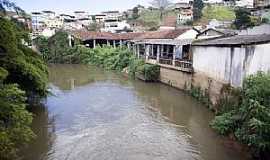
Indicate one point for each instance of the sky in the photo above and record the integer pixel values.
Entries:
(68, 6)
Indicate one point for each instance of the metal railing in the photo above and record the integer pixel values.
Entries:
(183, 64)
(165, 61)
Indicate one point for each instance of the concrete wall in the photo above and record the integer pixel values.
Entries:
(216, 67)
(184, 81)
(175, 78)
(231, 64)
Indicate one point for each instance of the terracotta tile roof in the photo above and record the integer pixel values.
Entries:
(169, 21)
(166, 34)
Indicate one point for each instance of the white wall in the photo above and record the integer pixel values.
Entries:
(231, 65)
(190, 34)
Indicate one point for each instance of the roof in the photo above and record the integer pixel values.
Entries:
(86, 35)
(166, 34)
(169, 21)
(165, 41)
(235, 40)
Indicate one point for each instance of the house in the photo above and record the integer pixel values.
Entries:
(115, 26)
(185, 16)
(168, 48)
(169, 22)
(100, 18)
(230, 59)
(112, 15)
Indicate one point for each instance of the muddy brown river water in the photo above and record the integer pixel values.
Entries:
(99, 115)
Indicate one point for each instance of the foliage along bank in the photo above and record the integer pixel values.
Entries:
(23, 75)
(57, 50)
(245, 114)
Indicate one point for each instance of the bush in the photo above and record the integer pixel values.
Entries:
(250, 121)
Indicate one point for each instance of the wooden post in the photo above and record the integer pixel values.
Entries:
(94, 43)
(174, 55)
(158, 53)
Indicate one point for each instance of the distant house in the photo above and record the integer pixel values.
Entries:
(100, 18)
(169, 22)
(229, 60)
(184, 16)
(253, 3)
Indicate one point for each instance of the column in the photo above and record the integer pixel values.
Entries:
(108, 43)
(147, 50)
(138, 50)
(162, 49)
(158, 53)
(114, 45)
(121, 42)
(152, 52)
(94, 43)
(174, 55)
(69, 41)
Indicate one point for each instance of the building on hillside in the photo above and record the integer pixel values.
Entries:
(253, 3)
(185, 16)
(100, 18)
(48, 14)
(115, 26)
(112, 15)
(229, 60)
(213, 1)
(37, 22)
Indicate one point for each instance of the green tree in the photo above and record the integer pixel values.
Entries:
(197, 9)
(243, 19)
(135, 13)
(6, 4)
(161, 5)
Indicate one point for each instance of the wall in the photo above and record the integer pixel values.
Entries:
(175, 78)
(231, 64)
(216, 67)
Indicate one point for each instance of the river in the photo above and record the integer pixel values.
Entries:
(94, 114)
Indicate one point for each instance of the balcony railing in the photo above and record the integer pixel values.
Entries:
(165, 61)
(183, 64)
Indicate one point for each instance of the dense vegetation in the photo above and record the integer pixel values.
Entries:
(221, 13)
(246, 114)
(23, 76)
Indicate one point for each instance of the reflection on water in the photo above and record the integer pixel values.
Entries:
(95, 114)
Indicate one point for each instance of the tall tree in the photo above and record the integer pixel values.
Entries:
(161, 5)
(242, 20)
(135, 13)
(197, 9)
(8, 5)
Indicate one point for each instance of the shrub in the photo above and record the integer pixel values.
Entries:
(250, 121)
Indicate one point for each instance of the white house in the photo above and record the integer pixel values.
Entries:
(229, 60)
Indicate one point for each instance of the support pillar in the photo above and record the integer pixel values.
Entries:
(147, 50)
(114, 45)
(158, 53)
(174, 55)
(108, 43)
(121, 43)
(94, 43)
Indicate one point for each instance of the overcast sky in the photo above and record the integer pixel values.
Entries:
(68, 6)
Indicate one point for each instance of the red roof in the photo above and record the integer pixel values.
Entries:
(166, 34)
